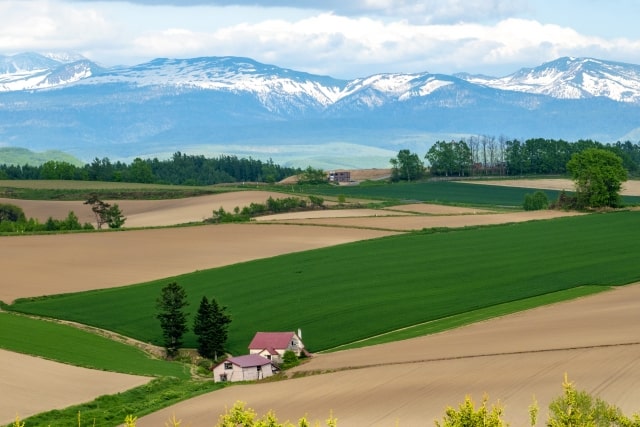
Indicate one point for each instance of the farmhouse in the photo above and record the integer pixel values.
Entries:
(249, 367)
(340, 176)
(272, 345)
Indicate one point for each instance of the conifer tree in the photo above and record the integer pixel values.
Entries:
(210, 325)
(173, 320)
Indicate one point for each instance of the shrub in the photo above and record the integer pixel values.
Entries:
(536, 201)
(468, 416)
(289, 360)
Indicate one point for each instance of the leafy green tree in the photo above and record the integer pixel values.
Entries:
(450, 158)
(312, 176)
(173, 320)
(11, 213)
(140, 171)
(211, 325)
(406, 166)
(289, 360)
(598, 175)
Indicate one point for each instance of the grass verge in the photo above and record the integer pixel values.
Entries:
(111, 410)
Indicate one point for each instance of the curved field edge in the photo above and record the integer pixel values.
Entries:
(68, 344)
(455, 321)
(350, 292)
(111, 410)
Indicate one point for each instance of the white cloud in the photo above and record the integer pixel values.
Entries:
(468, 36)
(44, 25)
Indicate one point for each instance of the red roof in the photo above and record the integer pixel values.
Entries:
(271, 340)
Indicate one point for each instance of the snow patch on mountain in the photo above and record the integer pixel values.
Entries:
(572, 78)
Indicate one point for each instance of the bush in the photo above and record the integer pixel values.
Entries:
(289, 360)
(536, 201)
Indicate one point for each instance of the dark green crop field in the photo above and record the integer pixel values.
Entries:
(350, 292)
(447, 192)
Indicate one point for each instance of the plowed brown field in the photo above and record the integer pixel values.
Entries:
(594, 339)
(629, 188)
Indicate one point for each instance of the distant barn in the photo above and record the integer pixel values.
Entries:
(340, 176)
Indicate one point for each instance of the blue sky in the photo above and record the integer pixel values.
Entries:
(341, 38)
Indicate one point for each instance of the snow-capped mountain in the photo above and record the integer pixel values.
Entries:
(572, 78)
(232, 105)
(29, 71)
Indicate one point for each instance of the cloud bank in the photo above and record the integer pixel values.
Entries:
(337, 38)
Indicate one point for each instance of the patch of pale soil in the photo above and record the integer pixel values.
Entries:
(431, 209)
(331, 213)
(595, 340)
(52, 264)
(418, 222)
(31, 385)
(148, 213)
(629, 188)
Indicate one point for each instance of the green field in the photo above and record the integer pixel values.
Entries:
(350, 292)
(71, 345)
(445, 192)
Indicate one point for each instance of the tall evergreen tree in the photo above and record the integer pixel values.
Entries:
(211, 325)
(173, 320)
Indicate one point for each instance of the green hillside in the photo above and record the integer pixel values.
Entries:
(22, 156)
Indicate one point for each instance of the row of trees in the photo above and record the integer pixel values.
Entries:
(210, 324)
(598, 173)
(272, 206)
(491, 156)
(13, 219)
(179, 169)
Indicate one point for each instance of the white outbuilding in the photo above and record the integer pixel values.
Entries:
(250, 367)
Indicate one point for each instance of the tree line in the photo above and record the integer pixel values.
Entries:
(478, 156)
(180, 169)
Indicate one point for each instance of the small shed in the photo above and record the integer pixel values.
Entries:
(250, 367)
(272, 345)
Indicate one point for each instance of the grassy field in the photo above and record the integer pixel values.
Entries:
(71, 345)
(355, 291)
(444, 192)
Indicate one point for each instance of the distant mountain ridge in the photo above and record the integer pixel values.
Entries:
(234, 105)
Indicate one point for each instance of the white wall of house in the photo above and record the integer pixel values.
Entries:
(233, 372)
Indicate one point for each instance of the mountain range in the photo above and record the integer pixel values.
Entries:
(238, 106)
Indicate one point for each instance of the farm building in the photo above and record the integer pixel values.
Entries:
(272, 345)
(339, 176)
(249, 367)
